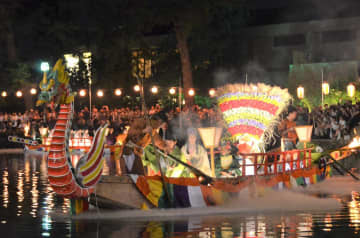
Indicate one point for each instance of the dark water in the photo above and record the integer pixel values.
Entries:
(29, 208)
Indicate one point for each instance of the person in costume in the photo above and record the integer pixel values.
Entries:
(195, 154)
(227, 164)
(287, 129)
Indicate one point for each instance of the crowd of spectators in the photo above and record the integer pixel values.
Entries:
(330, 122)
(335, 122)
(118, 119)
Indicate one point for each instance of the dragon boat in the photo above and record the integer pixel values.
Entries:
(250, 112)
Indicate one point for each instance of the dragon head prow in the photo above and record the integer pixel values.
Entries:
(55, 88)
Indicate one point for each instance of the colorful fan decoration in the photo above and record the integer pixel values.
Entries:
(251, 111)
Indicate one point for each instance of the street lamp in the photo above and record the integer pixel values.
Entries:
(300, 92)
(210, 137)
(44, 68)
(118, 92)
(3, 94)
(72, 61)
(351, 90)
(87, 60)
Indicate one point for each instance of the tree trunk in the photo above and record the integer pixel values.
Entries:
(181, 38)
(10, 44)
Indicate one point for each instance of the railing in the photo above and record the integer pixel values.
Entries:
(273, 163)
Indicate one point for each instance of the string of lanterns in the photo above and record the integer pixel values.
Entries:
(18, 93)
(154, 90)
(325, 90)
(117, 92)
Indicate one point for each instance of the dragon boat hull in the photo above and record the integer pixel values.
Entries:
(135, 191)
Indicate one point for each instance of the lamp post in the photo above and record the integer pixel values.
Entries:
(87, 61)
(210, 137)
(322, 91)
(44, 68)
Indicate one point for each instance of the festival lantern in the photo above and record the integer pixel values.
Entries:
(351, 90)
(33, 91)
(100, 93)
(19, 94)
(43, 132)
(26, 130)
(325, 88)
(300, 92)
(118, 92)
(137, 88)
(154, 90)
(82, 93)
(304, 133)
(212, 92)
(172, 91)
(3, 94)
(191, 92)
(210, 137)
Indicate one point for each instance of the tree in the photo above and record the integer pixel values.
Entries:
(7, 15)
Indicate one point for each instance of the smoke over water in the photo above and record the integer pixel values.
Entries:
(252, 72)
(266, 200)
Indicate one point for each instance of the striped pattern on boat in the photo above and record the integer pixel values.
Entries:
(60, 171)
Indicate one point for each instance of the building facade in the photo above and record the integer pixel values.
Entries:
(276, 47)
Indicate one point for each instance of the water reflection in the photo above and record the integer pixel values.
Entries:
(29, 208)
(5, 188)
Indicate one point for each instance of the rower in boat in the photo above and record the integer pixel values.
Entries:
(140, 158)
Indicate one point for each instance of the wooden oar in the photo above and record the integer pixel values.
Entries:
(203, 178)
(328, 154)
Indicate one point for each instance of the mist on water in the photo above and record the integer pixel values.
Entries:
(263, 200)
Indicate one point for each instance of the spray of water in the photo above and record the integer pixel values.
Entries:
(266, 201)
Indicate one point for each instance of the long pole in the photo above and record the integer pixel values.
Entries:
(90, 97)
(212, 161)
(180, 103)
(322, 93)
(157, 155)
